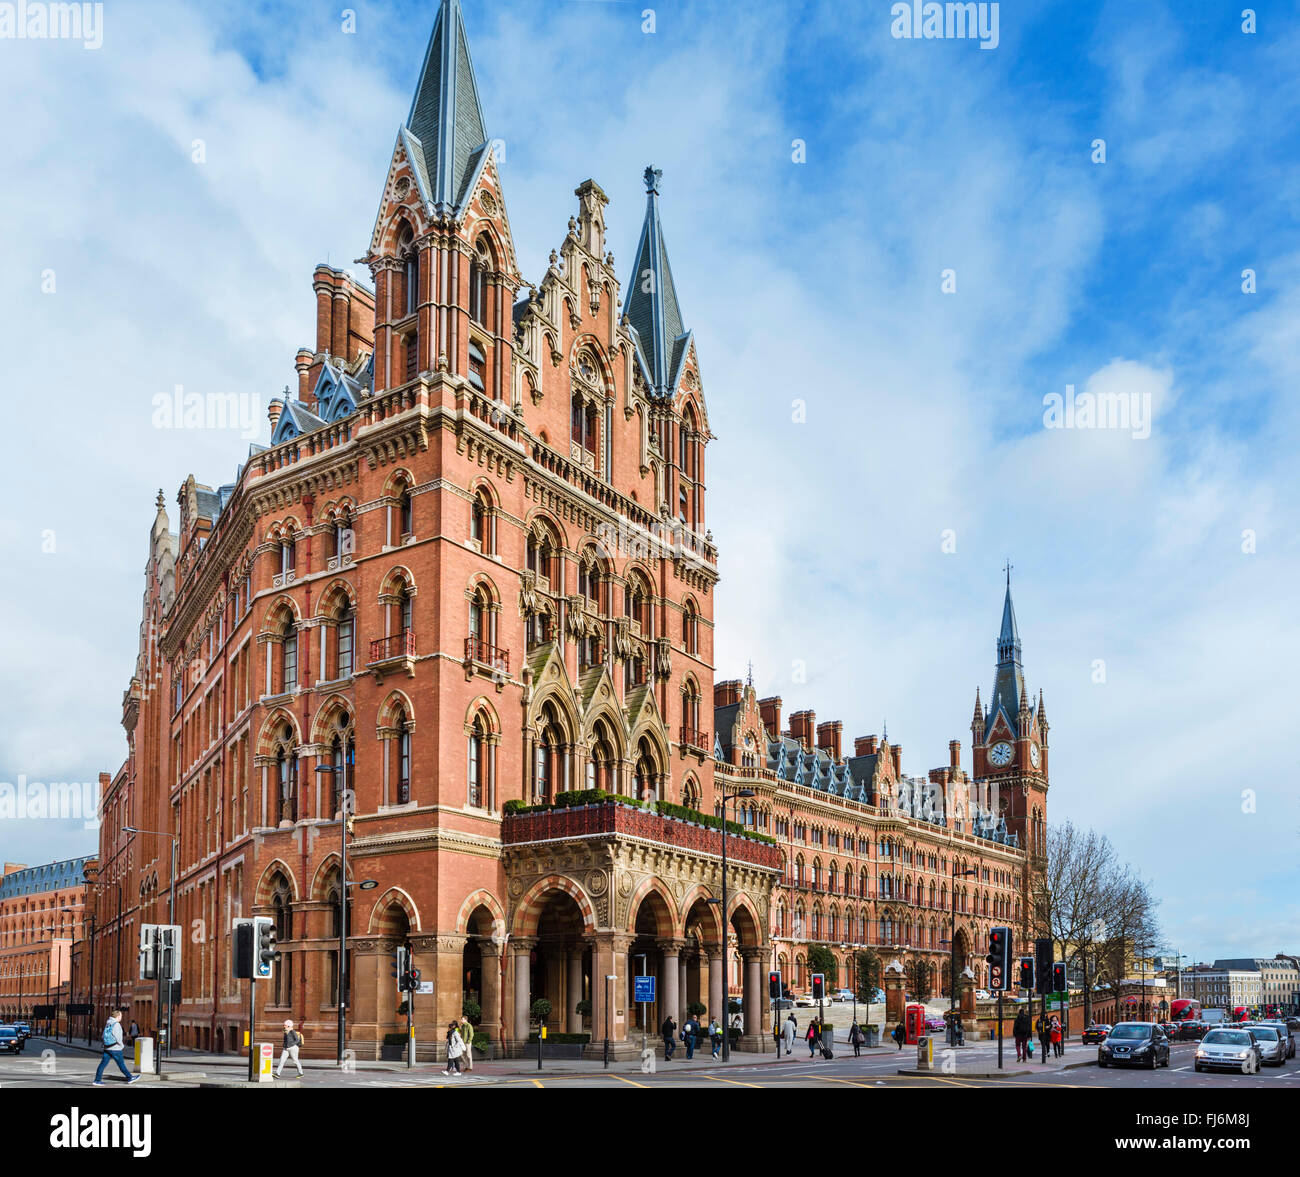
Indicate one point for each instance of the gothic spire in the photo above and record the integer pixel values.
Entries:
(446, 120)
(1009, 681)
(653, 311)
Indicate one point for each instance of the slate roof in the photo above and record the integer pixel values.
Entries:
(53, 876)
(448, 140)
(653, 312)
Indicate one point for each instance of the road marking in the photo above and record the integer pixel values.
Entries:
(733, 1082)
(621, 1079)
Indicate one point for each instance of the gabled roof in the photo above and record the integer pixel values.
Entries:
(295, 420)
(653, 312)
(446, 138)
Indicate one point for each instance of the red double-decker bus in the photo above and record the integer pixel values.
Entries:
(1184, 1010)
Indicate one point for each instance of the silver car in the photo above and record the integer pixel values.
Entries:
(1234, 1050)
(1285, 1034)
(1272, 1046)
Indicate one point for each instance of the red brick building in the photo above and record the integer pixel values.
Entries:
(41, 925)
(467, 588)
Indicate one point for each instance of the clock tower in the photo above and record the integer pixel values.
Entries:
(1009, 740)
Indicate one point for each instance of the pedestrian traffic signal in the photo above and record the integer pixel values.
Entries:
(265, 954)
(774, 986)
(1059, 984)
(1043, 963)
(1027, 973)
(819, 986)
(999, 958)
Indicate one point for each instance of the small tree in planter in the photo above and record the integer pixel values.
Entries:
(696, 1009)
(584, 1011)
(473, 1011)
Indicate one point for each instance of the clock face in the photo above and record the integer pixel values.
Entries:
(1033, 754)
(1000, 754)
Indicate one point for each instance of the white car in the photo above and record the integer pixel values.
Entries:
(842, 995)
(983, 995)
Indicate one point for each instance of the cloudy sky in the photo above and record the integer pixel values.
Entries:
(890, 251)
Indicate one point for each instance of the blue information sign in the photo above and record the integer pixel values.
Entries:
(645, 988)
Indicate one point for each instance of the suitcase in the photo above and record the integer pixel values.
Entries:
(827, 1052)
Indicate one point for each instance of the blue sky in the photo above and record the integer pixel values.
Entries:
(817, 282)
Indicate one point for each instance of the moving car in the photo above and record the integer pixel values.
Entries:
(11, 1042)
(1233, 1050)
(1095, 1035)
(1284, 1031)
(24, 1030)
(1192, 1031)
(1272, 1047)
(1140, 1044)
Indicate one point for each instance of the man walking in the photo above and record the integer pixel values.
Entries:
(467, 1035)
(1045, 1037)
(668, 1031)
(289, 1049)
(1021, 1032)
(788, 1031)
(690, 1030)
(112, 1043)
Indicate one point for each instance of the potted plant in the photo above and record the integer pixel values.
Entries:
(584, 1011)
(393, 1049)
(871, 1031)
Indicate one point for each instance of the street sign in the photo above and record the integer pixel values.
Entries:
(425, 987)
(645, 989)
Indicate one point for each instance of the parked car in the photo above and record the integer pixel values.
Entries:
(933, 1023)
(842, 995)
(1140, 1044)
(1272, 1046)
(983, 995)
(11, 1042)
(1228, 1049)
(802, 999)
(1096, 1035)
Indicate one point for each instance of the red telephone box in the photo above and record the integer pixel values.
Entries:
(914, 1022)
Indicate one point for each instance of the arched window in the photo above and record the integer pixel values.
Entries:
(282, 970)
(404, 608)
(480, 523)
(691, 629)
(288, 654)
(405, 513)
(342, 759)
(645, 776)
(477, 771)
(691, 799)
(343, 640)
(410, 269)
(286, 775)
(288, 556)
(479, 267)
(478, 625)
(548, 767)
(403, 757)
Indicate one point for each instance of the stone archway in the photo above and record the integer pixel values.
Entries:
(655, 952)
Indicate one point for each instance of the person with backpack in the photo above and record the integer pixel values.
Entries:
(690, 1031)
(456, 1048)
(855, 1039)
(813, 1037)
(289, 1049)
(111, 1040)
(715, 1036)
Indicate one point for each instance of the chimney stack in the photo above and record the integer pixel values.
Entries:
(954, 754)
(864, 746)
(273, 411)
(829, 736)
(802, 724)
(726, 693)
(897, 750)
(770, 710)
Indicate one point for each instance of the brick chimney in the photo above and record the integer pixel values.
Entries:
(726, 693)
(829, 735)
(302, 364)
(273, 411)
(802, 724)
(954, 754)
(10, 867)
(897, 750)
(864, 746)
(770, 709)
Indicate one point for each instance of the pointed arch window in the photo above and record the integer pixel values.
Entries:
(403, 757)
(405, 513)
(288, 655)
(477, 773)
(286, 765)
(410, 270)
(343, 641)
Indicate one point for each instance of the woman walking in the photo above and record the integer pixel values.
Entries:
(855, 1039)
(456, 1048)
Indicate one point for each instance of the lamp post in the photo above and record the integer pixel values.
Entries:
(345, 812)
(726, 961)
(171, 921)
(952, 956)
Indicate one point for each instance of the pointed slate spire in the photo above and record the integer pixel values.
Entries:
(446, 120)
(653, 311)
(1009, 682)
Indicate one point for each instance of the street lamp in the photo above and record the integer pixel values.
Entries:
(171, 920)
(345, 812)
(952, 956)
(726, 962)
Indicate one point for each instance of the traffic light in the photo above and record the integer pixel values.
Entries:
(1043, 963)
(415, 979)
(401, 967)
(774, 986)
(819, 986)
(1059, 984)
(148, 952)
(999, 958)
(264, 955)
(1027, 973)
(243, 948)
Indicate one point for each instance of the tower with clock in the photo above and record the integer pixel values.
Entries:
(1009, 742)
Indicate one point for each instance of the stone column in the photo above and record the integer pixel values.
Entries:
(493, 1015)
(717, 987)
(520, 1024)
(609, 998)
(752, 1001)
(683, 983)
(573, 989)
(671, 972)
